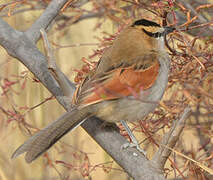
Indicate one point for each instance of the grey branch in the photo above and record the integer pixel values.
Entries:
(170, 139)
(45, 19)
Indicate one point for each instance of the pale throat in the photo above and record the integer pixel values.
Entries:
(161, 44)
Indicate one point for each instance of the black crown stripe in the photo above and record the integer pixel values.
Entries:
(145, 22)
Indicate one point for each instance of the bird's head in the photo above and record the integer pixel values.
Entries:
(141, 38)
(152, 29)
(151, 33)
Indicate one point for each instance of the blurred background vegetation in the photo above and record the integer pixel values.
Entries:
(81, 29)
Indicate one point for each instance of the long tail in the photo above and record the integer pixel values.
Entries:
(44, 139)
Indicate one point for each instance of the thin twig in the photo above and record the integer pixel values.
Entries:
(59, 76)
(208, 24)
(21, 11)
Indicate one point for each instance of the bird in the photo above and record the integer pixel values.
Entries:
(128, 82)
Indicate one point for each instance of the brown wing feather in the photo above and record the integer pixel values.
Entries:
(119, 82)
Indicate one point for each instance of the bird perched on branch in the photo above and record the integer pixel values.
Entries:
(127, 84)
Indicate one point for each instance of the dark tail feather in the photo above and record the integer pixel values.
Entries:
(44, 139)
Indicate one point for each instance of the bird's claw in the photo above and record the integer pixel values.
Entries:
(132, 144)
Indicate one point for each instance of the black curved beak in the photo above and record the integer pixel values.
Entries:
(168, 30)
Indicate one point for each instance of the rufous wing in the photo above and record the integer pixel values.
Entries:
(117, 83)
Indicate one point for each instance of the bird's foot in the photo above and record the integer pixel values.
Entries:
(133, 144)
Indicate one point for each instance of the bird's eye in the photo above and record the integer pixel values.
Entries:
(155, 35)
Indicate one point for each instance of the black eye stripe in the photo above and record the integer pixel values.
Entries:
(155, 35)
(145, 22)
